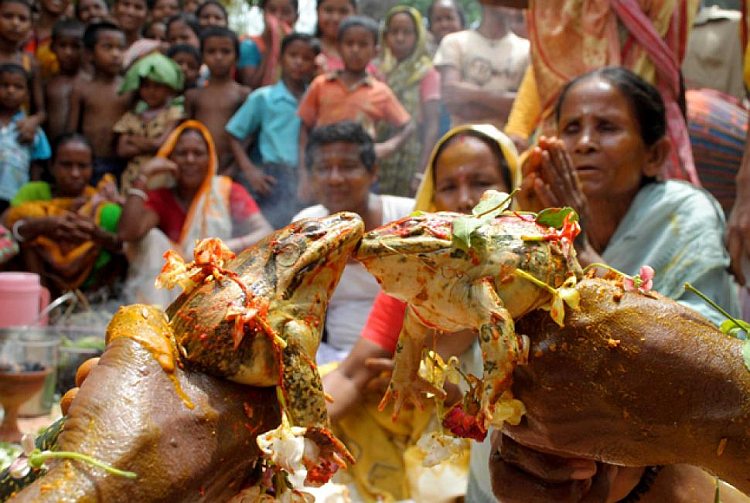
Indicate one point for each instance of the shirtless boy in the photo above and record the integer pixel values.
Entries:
(215, 103)
(67, 44)
(95, 105)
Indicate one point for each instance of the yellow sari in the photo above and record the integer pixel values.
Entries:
(389, 465)
(71, 263)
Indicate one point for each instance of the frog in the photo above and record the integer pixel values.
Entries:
(257, 318)
(505, 266)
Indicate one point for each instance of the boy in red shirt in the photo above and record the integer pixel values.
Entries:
(353, 94)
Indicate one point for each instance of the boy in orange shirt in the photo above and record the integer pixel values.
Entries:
(353, 94)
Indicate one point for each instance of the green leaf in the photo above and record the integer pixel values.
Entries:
(738, 329)
(555, 217)
(462, 229)
(746, 354)
(417, 213)
(491, 204)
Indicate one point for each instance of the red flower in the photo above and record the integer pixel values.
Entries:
(464, 425)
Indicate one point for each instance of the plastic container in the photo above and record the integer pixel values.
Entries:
(22, 298)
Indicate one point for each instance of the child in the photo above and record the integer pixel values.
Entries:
(188, 58)
(130, 15)
(183, 29)
(95, 105)
(269, 115)
(215, 103)
(353, 94)
(279, 17)
(143, 129)
(91, 11)
(409, 73)
(17, 158)
(161, 10)
(38, 45)
(212, 13)
(67, 44)
(14, 30)
(330, 14)
(444, 17)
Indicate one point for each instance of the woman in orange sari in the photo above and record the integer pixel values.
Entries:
(571, 37)
(199, 205)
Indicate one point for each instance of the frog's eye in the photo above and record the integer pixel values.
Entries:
(312, 229)
(287, 254)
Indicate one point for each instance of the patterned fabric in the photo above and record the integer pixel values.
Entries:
(135, 124)
(404, 78)
(16, 157)
(647, 36)
(717, 126)
(71, 262)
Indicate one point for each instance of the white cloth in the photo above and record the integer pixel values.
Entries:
(494, 65)
(351, 302)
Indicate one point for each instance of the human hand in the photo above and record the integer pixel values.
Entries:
(521, 474)
(261, 183)
(159, 165)
(631, 379)
(27, 128)
(71, 227)
(383, 369)
(738, 232)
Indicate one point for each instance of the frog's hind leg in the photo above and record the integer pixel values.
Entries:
(502, 350)
(406, 386)
(304, 404)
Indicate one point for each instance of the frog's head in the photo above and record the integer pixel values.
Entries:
(307, 257)
(421, 241)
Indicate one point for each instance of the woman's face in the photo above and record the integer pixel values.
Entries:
(401, 35)
(283, 10)
(72, 168)
(91, 11)
(464, 170)
(601, 133)
(330, 14)
(180, 33)
(191, 156)
(212, 15)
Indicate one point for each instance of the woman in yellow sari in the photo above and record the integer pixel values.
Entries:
(67, 229)
(465, 162)
(199, 205)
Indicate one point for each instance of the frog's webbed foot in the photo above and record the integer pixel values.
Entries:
(502, 350)
(331, 455)
(406, 386)
(304, 403)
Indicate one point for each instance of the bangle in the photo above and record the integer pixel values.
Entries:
(132, 191)
(14, 230)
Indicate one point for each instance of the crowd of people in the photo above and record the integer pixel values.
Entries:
(166, 127)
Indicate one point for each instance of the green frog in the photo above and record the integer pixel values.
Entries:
(458, 272)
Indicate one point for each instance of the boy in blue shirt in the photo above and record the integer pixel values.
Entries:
(269, 117)
(16, 158)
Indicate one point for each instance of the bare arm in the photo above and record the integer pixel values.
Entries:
(738, 227)
(393, 143)
(136, 219)
(347, 383)
(431, 122)
(189, 104)
(249, 231)
(127, 147)
(457, 94)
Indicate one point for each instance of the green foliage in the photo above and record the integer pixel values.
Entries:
(555, 217)
(492, 204)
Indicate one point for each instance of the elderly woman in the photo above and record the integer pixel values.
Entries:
(612, 145)
(67, 228)
(199, 205)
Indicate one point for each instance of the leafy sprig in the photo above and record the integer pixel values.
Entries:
(491, 205)
(733, 327)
